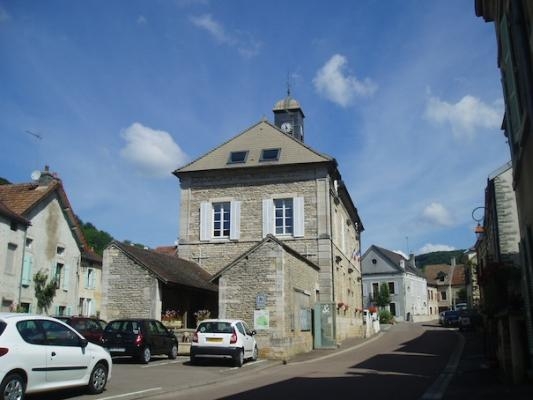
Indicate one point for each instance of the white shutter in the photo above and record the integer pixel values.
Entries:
(268, 219)
(299, 220)
(92, 281)
(235, 220)
(205, 220)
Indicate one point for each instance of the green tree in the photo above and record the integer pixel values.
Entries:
(44, 292)
(383, 297)
(97, 239)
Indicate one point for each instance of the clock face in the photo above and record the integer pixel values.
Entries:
(286, 127)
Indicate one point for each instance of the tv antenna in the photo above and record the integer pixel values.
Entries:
(35, 135)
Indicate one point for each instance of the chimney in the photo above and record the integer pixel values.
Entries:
(412, 262)
(402, 263)
(46, 176)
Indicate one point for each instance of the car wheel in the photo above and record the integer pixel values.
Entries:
(146, 355)
(255, 354)
(239, 358)
(173, 353)
(13, 387)
(98, 379)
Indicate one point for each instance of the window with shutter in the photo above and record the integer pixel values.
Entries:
(27, 270)
(220, 220)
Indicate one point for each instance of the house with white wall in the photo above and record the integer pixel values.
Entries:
(40, 232)
(407, 286)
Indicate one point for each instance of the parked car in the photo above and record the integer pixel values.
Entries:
(39, 353)
(224, 338)
(91, 328)
(139, 338)
(451, 318)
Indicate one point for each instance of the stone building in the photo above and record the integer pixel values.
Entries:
(39, 232)
(144, 283)
(449, 279)
(513, 26)
(267, 183)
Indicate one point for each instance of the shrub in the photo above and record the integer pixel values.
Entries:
(385, 317)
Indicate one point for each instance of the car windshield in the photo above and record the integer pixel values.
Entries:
(2, 327)
(123, 326)
(215, 327)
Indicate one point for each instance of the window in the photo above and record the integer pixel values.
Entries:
(29, 243)
(237, 157)
(62, 276)
(90, 278)
(60, 251)
(392, 309)
(269, 155)
(10, 257)
(284, 216)
(443, 295)
(391, 288)
(375, 290)
(220, 220)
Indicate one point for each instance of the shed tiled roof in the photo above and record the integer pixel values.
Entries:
(169, 269)
(11, 215)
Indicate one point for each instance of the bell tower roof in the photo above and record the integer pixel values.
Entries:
(289, 117)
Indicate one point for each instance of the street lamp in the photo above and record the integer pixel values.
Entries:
(478, 216)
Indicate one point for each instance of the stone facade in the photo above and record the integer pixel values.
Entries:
(129, 290)
(329, 238)
(287, 284)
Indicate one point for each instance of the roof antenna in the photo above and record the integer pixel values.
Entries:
(288, 85)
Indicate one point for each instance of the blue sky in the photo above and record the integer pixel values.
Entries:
(405, 94)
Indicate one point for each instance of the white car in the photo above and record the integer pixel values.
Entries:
(39, 353)
(224, 338)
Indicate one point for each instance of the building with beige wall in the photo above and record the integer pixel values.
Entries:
(267, 181)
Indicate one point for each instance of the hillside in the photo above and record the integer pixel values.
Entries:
(438, 257)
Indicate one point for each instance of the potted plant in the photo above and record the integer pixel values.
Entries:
(171, 319)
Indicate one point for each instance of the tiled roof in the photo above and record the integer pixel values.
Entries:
(24, 197)
(11, 215)
(169, 269)
(168, 250)
(431, 272)
(396, 259)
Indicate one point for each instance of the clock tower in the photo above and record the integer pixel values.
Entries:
(289, 117)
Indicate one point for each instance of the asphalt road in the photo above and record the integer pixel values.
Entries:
(402, 363)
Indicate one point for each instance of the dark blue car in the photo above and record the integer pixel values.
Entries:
(451, 318)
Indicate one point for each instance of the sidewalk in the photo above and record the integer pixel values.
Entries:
(474, 379)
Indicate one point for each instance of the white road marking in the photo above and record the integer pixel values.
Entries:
(130, 393)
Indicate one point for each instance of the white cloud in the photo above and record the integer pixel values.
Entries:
(153, 152)
(465, 116)
(430, 248)
(245, 44)
(332, 82)
(436, 213)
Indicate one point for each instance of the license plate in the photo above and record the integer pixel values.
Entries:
(117, 349)
(214, 339)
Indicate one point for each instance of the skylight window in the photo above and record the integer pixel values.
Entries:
(236, 157)
(270, 155)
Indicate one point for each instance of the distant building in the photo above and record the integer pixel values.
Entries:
(407, 287)
(450, 283)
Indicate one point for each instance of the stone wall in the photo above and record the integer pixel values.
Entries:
(278, 275)
(129, 290)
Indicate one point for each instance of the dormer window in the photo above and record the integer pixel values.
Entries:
(237, 157)
(270, 155)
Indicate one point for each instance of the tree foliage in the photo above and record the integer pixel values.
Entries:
(44, 292)
(97, 239)
(437, 257)
(383, 297)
